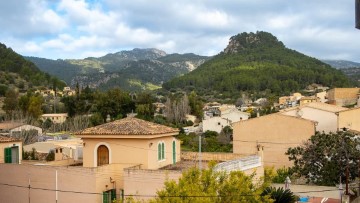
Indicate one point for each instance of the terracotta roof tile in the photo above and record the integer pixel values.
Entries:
(128, 126)
(8, 139)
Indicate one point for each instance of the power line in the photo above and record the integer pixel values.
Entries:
(170, 196)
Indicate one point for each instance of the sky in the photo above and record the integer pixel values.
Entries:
(74, 29)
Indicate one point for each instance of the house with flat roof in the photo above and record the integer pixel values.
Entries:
(15, 129)
(343, 96)
(326, 115)
(55, 117)
(275, 133)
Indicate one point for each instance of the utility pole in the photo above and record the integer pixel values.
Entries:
(29, 186)
(56, 186)
(347, 176)
(200, 152)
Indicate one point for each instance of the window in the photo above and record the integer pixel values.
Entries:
(161, 151)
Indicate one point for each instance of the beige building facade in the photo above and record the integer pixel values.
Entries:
(130, 141)
(343, 96)
(55, 117)
(10, 150)
(326, 115)
(349, 119)
(275, 133)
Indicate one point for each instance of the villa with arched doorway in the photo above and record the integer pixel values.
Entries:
(130, 141)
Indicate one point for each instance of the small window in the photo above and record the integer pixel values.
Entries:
(218, 123)
(161, 151)
(56, 151)
(60, 150)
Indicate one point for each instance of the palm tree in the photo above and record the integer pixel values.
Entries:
(279, 195)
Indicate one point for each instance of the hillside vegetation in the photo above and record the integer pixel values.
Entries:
(16, 72)
(258, 62)
(134, 70)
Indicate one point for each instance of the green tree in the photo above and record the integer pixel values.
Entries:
(144, 106)
(114, 102)
(11, 102)
(34, 108)
(323, 158)
(196, 105)
(197, 186)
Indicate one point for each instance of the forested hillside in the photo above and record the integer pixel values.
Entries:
(255, 62)
(16, 72)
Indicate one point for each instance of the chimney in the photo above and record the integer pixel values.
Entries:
(260, 152)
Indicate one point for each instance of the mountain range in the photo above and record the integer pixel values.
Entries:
(257, 62)
(342, 64)
(137, 69)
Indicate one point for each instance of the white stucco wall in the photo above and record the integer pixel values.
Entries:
(26, 128)
(326, 121)
(234, 116)
(215, 124)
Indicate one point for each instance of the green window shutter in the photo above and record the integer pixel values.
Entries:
(159, 151)
(174, 152)
(7, 155)
(105, 197)
(113, 195)
(162, 151)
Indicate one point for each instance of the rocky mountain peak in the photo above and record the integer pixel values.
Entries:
(243, 41)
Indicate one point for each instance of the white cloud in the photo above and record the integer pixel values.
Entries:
(74, 28)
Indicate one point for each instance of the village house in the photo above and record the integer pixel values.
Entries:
(10, 150)
(70, 148)
(15, 129)
(305, 100)
(55, 117)
(67, 91)
(291, 100)
(151, 145)
(120, 159)
(322, 97)
(343, 96)
(349, 119)
(221, 117)
(275, 133)
(326, 115)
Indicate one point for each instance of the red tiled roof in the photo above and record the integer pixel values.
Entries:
(8, 139)
(128, 126)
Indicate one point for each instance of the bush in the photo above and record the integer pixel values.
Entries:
(281, 175)
(50, 156)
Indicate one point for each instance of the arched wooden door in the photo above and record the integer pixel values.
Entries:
(102, 155)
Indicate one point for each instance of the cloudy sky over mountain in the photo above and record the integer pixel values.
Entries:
(77, 29)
